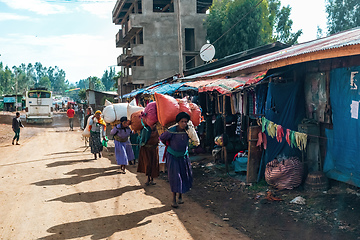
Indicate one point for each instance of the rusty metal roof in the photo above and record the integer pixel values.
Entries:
(338, 40)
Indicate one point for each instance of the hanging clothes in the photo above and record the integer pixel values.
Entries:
(271, 129)
(262, 140)
(288, 137)
(301, 140)
(279, 133)
(264, 124)
(293, 139)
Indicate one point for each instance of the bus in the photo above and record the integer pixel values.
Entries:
(39, 106)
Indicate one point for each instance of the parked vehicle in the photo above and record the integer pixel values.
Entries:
(39, 106)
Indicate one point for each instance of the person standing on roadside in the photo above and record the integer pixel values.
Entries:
(16, 124)
(81, 117)
(70, 113)
(88, 114)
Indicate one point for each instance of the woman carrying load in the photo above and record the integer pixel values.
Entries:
(123, 149)
(177, 158)
(97, 127)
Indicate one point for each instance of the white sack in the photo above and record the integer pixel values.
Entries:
(191, 132)
(131, 109)
(133, 102)
(107, 103)
(114, 112)
(86, 132)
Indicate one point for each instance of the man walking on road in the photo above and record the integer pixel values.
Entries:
(70, 113)
(81, 117)
(16, 124)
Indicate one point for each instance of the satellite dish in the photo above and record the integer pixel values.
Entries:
(207, 52)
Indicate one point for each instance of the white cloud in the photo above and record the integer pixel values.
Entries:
(38, 6)
(102, 9)
(10, 16)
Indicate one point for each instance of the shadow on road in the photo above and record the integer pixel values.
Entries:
(103, 227)
(91, 197)
(73, 180)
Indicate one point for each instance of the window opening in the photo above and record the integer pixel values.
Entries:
(189, 39)
(163, 5)
(190, 62)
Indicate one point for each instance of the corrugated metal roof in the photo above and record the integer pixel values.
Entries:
(339, 40)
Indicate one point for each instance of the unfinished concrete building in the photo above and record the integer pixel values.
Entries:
(157, 39)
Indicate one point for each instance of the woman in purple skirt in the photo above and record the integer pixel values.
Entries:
(177, 158)
(123, 149)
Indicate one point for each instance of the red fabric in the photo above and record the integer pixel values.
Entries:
(195, 116)
(262, 140)
(136, 121)
(167, 108)
(70, 113)
(288, 136)
(279, 133)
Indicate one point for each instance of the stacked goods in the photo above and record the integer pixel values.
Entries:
(135, 119)
(132, 109)
(150, 114)
(195, 115)
(114, 112)
(167, 108)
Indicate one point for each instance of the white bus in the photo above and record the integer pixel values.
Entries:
(39, 106)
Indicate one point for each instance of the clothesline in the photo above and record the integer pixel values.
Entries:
(293, 138)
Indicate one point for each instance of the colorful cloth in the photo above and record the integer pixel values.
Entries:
(301, 140)
(288, 137)
(279, 133)
(262, 140)
(293, 139)
(179, 168)
(264, 123)
(271, 129)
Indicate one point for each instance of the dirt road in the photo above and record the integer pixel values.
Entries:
(51, 188)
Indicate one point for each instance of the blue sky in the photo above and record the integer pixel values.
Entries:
(78, 36)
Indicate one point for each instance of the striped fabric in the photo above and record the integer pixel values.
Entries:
(286, 174)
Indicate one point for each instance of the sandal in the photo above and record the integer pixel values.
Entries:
(147, 184)
(174, 205)
(153, 183)
(180, 201)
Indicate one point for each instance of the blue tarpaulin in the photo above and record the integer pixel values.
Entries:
(342, 160)
(285, 106)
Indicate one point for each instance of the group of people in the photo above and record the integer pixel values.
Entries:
(177, 157)
(176, 153)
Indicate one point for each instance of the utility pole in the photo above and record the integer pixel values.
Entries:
(180, 41)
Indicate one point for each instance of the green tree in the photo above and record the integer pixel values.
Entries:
(82, 94)
(342, 15)
(107, 79)
(237, 25)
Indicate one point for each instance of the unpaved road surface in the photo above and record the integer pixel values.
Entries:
(51, 188)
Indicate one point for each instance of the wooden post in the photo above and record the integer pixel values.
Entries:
(254, 154)
(224, 147)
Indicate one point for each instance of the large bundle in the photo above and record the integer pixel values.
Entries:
(132, 109)
(286, 174)
(167, 108)
(150, 114)
(135, 119)
(195, 115)
(86, 132)
(184, 106)
(115, 112)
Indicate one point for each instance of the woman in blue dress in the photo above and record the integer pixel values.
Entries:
(177, 158)
(123, 149)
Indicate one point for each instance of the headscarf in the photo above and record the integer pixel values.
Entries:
(181, 116)
(100, 120)
(123, 119)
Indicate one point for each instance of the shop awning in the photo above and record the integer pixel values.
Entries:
(227, 85)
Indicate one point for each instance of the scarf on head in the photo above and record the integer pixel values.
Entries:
(100, 121)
